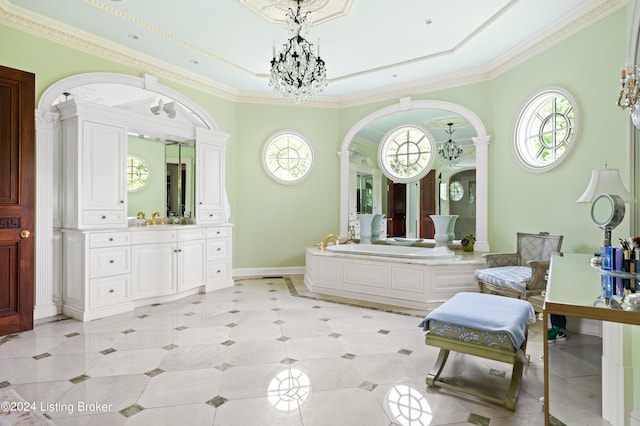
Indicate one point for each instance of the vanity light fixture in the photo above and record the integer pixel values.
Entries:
(297, 72)
(450, 151)
(168, 108)
(630, 92)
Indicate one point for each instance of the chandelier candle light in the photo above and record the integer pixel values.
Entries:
(629, 93)
(297, 72)
(450, 151)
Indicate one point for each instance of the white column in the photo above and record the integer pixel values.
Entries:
(482, 193)
(617, 373)
(44, 205)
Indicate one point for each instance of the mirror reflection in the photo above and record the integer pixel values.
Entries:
(407, 206)
(170, 187)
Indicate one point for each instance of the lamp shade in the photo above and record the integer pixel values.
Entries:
(605, 181)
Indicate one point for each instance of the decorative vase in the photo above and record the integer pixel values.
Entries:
(441, 223)
(451, 234)
(376, 225)
(365, 227)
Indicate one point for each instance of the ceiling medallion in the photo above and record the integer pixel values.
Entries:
(323, 10)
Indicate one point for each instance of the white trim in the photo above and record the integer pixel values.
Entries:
(267, 144)
(58, 32)
(47, 274)
(530, 108)
(267, 272)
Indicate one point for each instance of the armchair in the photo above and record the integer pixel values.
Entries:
(521, 274)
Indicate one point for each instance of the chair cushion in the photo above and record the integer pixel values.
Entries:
(511, 277)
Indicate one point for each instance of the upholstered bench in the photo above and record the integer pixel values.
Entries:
(484, 325)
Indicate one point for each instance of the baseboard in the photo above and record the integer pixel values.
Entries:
(45, 311)
(586, 326)
(267, 272)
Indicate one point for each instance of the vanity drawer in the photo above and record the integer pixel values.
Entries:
(109, 261)
(106, 217)
(221, 232)
(217, 271)
(148, 236)
(109, 291)
(211, 216)
(217, 249)
(192, 234)
(109, 239)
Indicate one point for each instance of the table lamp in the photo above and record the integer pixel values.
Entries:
(608, 195)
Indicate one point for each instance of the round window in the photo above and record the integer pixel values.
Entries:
(137, 173)
(287, 157)
(406, 154)
(545, 130)
(456, 191)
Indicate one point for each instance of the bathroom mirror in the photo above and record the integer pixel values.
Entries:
(359, 152)
(171, 184)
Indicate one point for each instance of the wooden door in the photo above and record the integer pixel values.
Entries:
(17, 175)
(396, 209)
(428, 194)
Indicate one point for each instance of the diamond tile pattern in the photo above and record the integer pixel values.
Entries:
(241, 357)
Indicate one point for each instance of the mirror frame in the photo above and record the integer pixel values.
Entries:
(481, 141)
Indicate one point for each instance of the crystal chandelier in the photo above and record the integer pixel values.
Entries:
(629, 93)
(450, 151)
(296, 72)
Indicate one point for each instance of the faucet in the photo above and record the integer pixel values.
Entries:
(153, 217)
(140, 215)
(328, 238)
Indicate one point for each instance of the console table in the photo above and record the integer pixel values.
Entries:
(572, 288)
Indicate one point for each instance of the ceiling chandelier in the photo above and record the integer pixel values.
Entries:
(296, 72)
(450, 151)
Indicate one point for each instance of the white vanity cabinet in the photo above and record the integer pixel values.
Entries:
(168, 262)
(154, 264)
(94, 174)
(218, 269)
(210, 197)
(96, 274)
(191, 258)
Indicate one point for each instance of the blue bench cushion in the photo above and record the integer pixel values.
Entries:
(484, 313)
(511, 277)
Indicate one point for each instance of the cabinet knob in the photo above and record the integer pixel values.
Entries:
(104, 217)
(218, 233)
(211, 215)
(121, 201)
(200, 203)
(111, 291)
(219, 248)
(111, 261)
(111, 239)
(219, 271)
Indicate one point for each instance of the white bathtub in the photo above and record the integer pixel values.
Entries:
(413, 277)
(393, 251)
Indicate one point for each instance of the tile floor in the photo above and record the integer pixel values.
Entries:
(267, 352)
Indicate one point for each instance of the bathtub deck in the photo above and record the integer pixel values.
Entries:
(422, 284)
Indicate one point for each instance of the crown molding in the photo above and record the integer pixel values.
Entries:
(25, 20)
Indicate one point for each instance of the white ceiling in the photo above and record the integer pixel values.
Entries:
(373, 49)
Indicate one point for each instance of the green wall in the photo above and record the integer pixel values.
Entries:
(273, 223)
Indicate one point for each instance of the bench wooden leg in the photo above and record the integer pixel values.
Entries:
(437, 367)
(516, 377)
